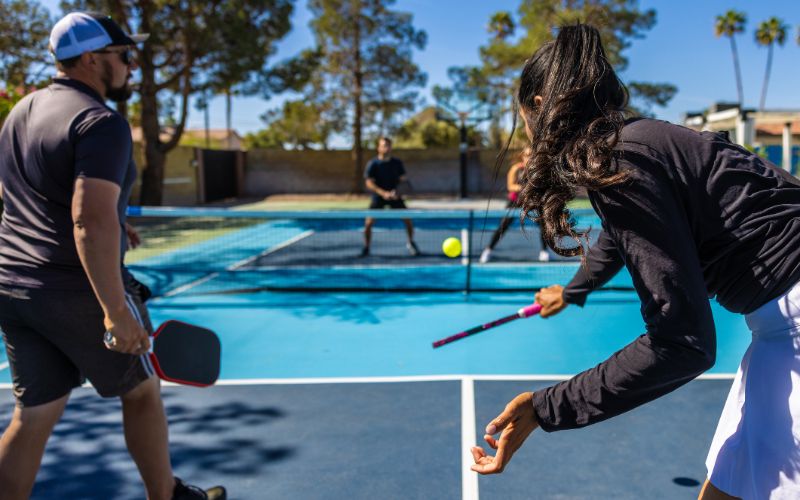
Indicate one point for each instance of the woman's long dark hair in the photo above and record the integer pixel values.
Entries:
(573, 130)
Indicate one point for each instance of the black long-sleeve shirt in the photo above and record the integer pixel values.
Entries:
(698, 217)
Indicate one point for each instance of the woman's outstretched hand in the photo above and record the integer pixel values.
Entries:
(515, 424)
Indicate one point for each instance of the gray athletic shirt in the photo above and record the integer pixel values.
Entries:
(699, 217)
(50, 138)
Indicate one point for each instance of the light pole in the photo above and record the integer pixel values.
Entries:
(462, 155)
(463, 146)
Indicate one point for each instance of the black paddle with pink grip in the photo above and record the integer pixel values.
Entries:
(525, 312)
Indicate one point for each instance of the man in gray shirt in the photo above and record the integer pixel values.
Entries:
(67, 171)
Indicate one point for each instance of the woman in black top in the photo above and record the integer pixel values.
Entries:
(691, 216)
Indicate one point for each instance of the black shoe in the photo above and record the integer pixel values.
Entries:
(364, 252)
(412, 248)
(185, 491)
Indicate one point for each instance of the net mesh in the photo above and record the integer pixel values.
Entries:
(200, 251)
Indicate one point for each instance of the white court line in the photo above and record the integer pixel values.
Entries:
(469, 479)
(270, 250)
(191, 284)
(424, 378)
(409, 378)
(237, 265)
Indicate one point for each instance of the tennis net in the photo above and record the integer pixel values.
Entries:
(202, 251)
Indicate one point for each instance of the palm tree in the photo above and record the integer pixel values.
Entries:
(729, 24)
(769, 33)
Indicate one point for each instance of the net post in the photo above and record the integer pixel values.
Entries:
(464, 245)
(469, 251)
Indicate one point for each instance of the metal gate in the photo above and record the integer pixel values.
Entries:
(219, 174)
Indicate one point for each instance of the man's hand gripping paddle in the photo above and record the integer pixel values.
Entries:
(182, 353)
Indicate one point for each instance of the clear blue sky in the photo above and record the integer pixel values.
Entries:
(680, 49)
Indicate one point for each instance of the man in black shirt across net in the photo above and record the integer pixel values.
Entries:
(383, 176)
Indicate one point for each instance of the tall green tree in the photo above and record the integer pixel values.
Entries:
(514, 38)
(501, 25)
(730, 24)
(468, 91)
(296, 125)
(474, 91)
(425, 130)
(769, 32)
(468, 101)
(619, 22)
(24, 29)
(193, 46)
(366, 73)
(650, 95)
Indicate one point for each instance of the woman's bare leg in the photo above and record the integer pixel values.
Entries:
(710, 492)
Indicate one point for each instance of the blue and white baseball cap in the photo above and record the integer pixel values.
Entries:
(80, 32)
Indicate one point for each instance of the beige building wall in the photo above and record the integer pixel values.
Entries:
(430, 171)
(180, 176)
(269, 171)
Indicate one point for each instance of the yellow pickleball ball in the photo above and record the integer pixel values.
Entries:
(452, 247)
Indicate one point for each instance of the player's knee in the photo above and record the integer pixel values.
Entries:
(43, 416)
(147, 391)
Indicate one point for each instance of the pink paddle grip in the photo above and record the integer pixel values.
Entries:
(528, 311)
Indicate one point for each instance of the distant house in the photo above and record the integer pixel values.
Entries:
(136, 133)
(775, 133)
(196, 137)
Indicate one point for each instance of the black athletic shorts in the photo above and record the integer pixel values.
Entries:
(378, 202)
(54, 341)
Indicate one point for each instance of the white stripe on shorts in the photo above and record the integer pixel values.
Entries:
(144, 358)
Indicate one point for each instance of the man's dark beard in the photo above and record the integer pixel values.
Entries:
(120, 94)
(116, 94)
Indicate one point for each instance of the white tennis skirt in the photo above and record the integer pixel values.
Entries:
(755, 453)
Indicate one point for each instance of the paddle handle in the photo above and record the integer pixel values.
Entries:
(525, 312)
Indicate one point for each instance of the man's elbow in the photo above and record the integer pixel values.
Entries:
(85, 229)
(91, 226)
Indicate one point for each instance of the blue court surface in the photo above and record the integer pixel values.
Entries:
(327, 392)
(342, 396)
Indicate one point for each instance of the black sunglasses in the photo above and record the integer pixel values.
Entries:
(126, 55)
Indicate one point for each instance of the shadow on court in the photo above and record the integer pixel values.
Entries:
(86, 456)
(380, 440)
